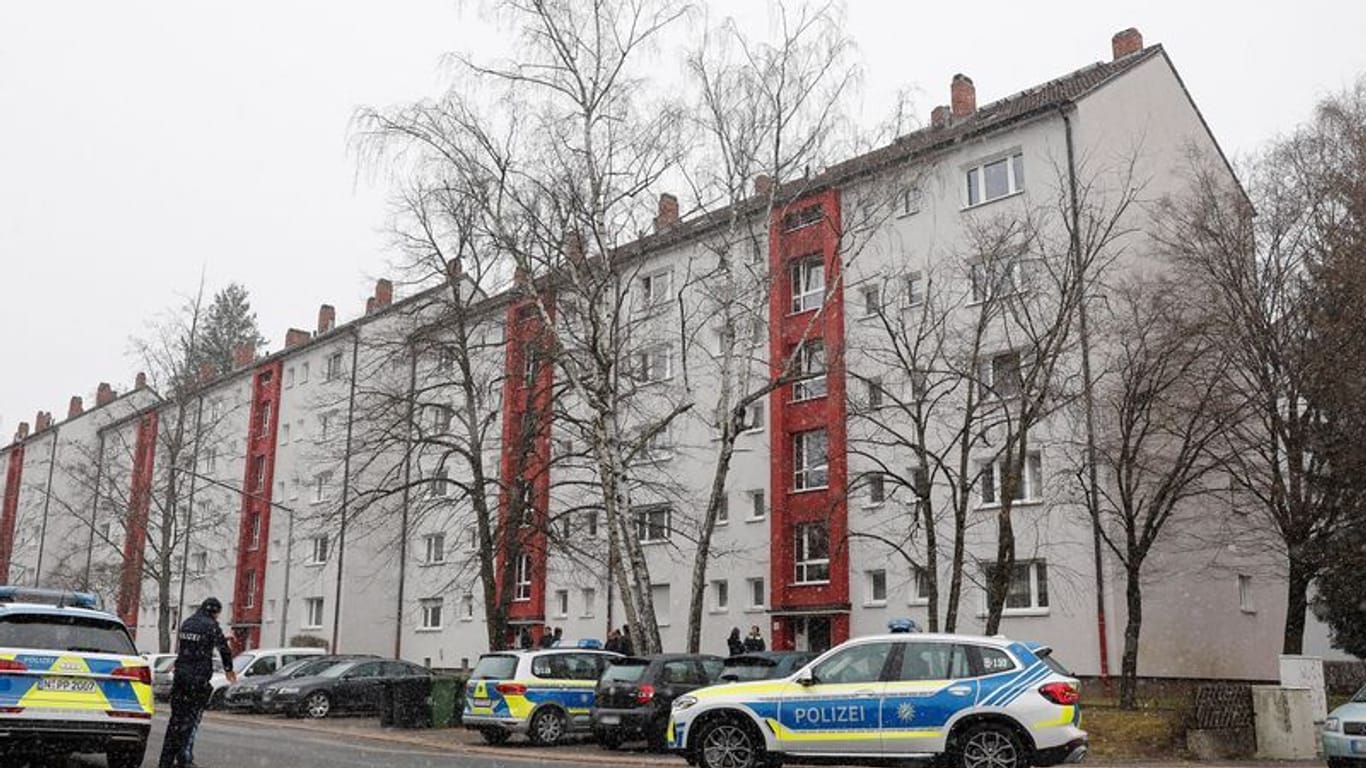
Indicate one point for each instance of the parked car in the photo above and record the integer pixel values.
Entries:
(162, 673)
(546, 694)
(245, 694)
(260, 662)
(764, 665)
(351, 686)
(1344, 733)
(163, 682)
(634, 695)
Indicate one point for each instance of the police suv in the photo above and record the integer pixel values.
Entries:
(71, 679)
(546, 694)
(985, 702)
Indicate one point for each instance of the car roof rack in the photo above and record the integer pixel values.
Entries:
(61, 598)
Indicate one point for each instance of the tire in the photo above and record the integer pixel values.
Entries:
(990, 745)
(548, 728)
(316, 706)
(1339, 762)
(728, 743)
(126, 755)
(495, 736)
(216, 699)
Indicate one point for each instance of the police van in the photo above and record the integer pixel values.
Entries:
(71, 679)
(545, 694)
(984, 702)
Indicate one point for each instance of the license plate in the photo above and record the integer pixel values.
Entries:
(483, 702)
(1359, 746)
(66, 685)
(609, 719)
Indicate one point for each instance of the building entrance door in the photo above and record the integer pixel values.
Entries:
(811, 633)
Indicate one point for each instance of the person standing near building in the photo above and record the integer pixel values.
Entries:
(734, 645)
(199, 638)
(755, 642)
(628, 648)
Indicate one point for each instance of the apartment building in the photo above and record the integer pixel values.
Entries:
(299, 503)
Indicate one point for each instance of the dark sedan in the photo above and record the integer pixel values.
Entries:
(634, 695)
(352, 686)
(764, 665)
(245, 694)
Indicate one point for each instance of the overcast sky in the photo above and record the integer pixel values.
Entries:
(144, 142)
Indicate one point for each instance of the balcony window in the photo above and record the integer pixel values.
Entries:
(812, 553)
(810, 371)
(808, 283)
(810, 460)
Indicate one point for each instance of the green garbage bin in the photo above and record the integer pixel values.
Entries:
(445, 711)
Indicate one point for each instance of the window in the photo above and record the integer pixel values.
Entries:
(920, 484)
(591, 523)
(199, 563)
(877, 586)
(1028, 590)
(531, 362)
(873, 392)
(653, 524)
(909, 201)
(812, 553)
(254, 537)
(313, 613)
(445, 358)
(754, 417)
(284, 433)
(215, 410)
(562, 603)
(441, 419)
(758, 596)
(659, 597)
(324, 425)
(258, 474)
(249, 599)
(431, 612)
(334, 366)
(723, 509)
(810, 371)
(1245, 603)
(995, 179)
(657, 447)
(434, 548)
(289, 377)
(934, 661)
(654, 289)
(720, 595)
(654, 364)
(211, 460)
(758, 507)
(856, 664)
(920, 586)
(915, 289)
(998, 277)
(803, 217)
(808, 283)
(320, 486)
(810, 462)
(877, 489)
(303, 373)
(441, 483)
(872, 300)
(1029, 488)
(467, 607)
(590, 601)
(999, 376)
(318, 550)
(522, 586)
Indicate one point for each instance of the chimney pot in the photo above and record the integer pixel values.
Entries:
(962, 96)
(1125, 42)
(296, 336)
(370, 305)
(22, 432)
(667, 215)
(763, 185)
(327, 318)
(140, 380)
(76, 407)
(243, 355)
(104, 394)
(384, 293)
(939, 116)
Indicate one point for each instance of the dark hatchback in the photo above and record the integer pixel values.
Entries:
(764, 665)
(635, 694)
(352, 686)
(245, 694)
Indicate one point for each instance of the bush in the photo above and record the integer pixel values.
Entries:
(307, 641)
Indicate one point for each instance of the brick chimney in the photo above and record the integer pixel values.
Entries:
(962, 96)
(370, 305)
(327, 318)
(667, 215)
(104, 394)
(42, 421)
(22, 432)
(76, 407)
(384, 293)
(1126, 42)
(243, 355)
(140, 380)
(296, 336)
(939, 116)
(763, 185)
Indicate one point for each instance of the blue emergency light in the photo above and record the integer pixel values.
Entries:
(589, 642)
(62, 598)
(900, 626)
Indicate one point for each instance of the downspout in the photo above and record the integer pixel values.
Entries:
(407, 494)
(289, 563)
(346, 491)
(189, 504)
(47, 499)
(94, 513)
(1089, 401)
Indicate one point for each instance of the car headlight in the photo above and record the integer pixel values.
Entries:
(291, 689)
(1332, 725)
(683, 702)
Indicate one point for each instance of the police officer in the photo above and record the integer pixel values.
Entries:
(199, 637)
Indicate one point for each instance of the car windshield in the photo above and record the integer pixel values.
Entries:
(304, 667)
(1360, 697)
(626, 670)
(1046, 656)
(164, 663)
(241, 661)
(495, 667)
(337, 670)
(748, 668)
(82, 634)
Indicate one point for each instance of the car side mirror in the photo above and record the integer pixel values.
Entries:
(806, 679)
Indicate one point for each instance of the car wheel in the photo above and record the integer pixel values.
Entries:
(316, 705)
(216, 698)
(495, 736)
(126, 755)
(727, 744)
(990, 746)
(547, 727)
(1338, 762)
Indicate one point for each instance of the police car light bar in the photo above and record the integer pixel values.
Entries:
(898, 626)
(589, 642)
(61, 598)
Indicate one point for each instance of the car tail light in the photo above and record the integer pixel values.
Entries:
(645, 694)
(510, 689)
(127, 714)
(136, 674)
(10, 665)
(1065, 694)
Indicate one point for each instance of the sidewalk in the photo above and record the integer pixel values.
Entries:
(461, 741)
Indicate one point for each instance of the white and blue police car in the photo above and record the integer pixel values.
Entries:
(983, 702)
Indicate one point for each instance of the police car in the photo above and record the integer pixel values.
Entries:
(546, 694)
(984, 702)
(71, 679)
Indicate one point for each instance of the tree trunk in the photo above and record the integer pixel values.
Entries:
(164, 615)
(1128, 671)
(1296, 604)
(703, 553)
